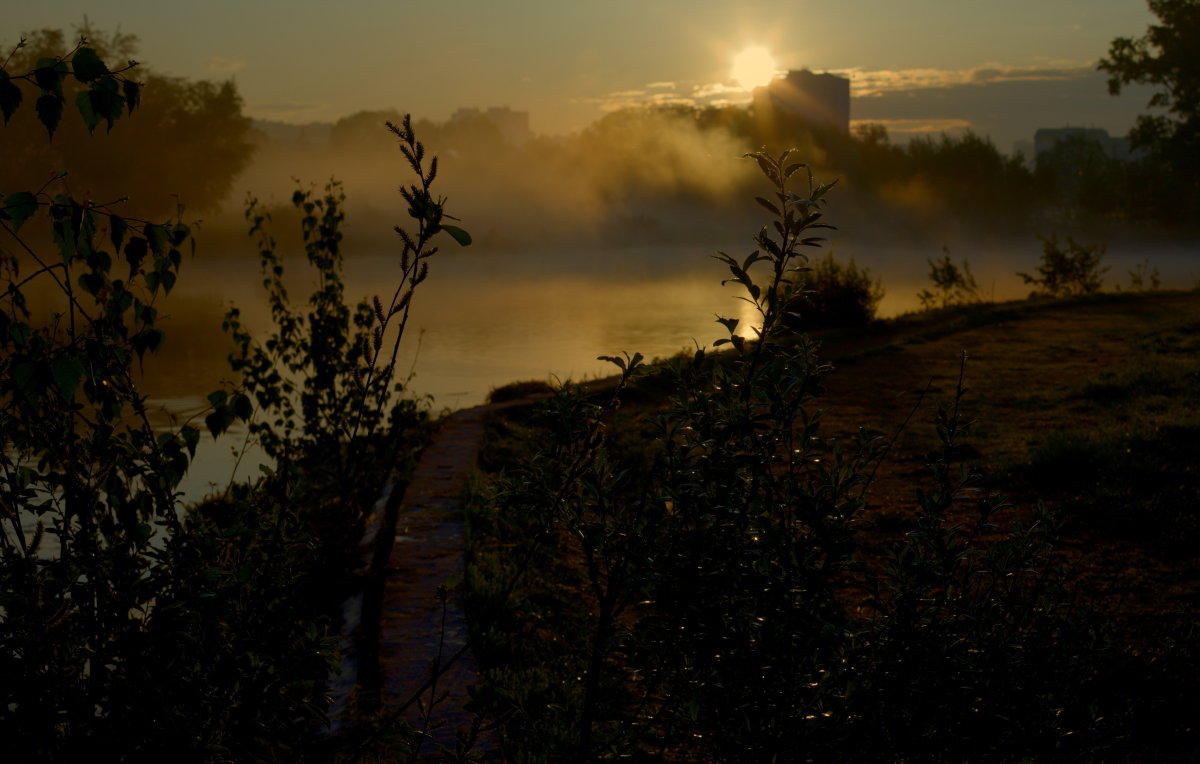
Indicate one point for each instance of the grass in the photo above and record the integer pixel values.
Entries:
(1089, 405)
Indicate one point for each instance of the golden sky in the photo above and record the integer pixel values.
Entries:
(993, 66)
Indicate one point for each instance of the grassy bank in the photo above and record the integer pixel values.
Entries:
(1087, 406)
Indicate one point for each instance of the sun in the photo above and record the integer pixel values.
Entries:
(753, 67)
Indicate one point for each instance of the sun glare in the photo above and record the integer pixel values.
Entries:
(753, 67)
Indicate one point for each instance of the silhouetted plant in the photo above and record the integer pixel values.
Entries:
(954, 284)
(129, 630)
(87, 483)
(701, 565)
(837, 294)
(1068, 271)
(1143, 276)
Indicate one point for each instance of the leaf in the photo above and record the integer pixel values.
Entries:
(117, 228)
(135, 253)
(87, 65)
(462, 237)
(133, 94)
(91, 283)
(219, 421)
(242, 407)
(191, 438)
(157, 236)
(773, 209)
(67, 371)
(83, 102)
(10, 96)
(150, 339)
(19, 207)
(49, 75)
(615, 360)
(105, 101)
(766, 166)
(49, 111)
(217, 398)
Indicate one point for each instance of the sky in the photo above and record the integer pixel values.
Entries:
(1000, 68)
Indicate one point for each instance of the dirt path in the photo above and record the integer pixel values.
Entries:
(422, 624)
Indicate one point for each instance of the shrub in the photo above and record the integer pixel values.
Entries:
(705, 569)
(1070, 271)
(1144, 277)
(129, 629)
(954, 285)
(836, 294)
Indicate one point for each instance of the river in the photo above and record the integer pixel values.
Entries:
(484, 319)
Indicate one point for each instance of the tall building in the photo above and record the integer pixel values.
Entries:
(821, 99)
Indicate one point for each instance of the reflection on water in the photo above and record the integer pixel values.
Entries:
(480, 321)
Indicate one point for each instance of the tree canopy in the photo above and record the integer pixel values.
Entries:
(1166, 56)
(189, 143)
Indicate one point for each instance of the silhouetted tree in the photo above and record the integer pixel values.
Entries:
(1081, 175)
(1166, 56)
(189, 143)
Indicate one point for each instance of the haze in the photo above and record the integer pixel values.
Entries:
(1000, 68)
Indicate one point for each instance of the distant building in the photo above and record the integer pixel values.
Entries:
(513, 125)
(820, 99)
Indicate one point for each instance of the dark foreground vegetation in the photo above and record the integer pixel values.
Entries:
(133, 628)
(701, 560)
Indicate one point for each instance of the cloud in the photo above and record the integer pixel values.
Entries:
(870, 83)
(864, 83)
(711, 90)
(224, 65)
(908, 127)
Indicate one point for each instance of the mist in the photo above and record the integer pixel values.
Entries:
(651, 192)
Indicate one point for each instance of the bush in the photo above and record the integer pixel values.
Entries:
(836, 294)
(131, 629)
(955, 285)
(706, 590)
(1070, 271)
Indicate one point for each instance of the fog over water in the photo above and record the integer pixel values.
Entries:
(580, 250)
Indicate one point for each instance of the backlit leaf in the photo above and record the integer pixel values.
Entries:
(462, 237)
(133, 94)
(88, 65)
(117, 228)
(49, 111)
(10, 96)
(83, 102)
(49, 75)
(157, 236)
(19, 207)
(135, 252)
